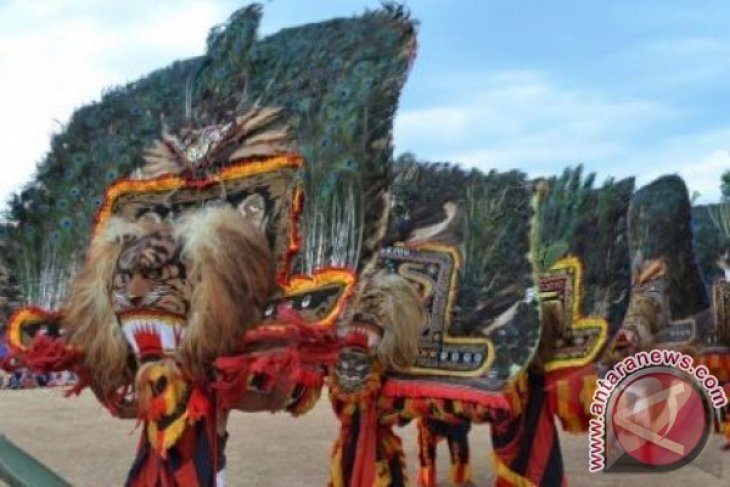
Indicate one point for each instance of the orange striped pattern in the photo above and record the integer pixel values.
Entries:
(719, 365)
(569, 394)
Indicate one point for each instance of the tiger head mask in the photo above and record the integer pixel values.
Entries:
(387, 320)
(184, 290)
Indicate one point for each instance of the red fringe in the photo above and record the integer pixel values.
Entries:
(46, 354)
(430, 390)
(298, 354)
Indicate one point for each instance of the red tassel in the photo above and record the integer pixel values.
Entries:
(47, 354)
(83, 380)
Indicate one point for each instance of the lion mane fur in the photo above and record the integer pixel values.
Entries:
(231, 272)
(89, 318)
(399, 310)
(231, 268)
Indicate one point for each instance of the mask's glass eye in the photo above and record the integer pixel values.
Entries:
(152, 273)
(269, 311)
(361, 367)
(306, 301)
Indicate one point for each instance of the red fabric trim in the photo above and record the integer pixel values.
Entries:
(431, 390)
(46, 354)
(301, 355)
(363, 471)
(157, 470)
(186, 476)
(427, 476)
(460, 473)
(543, 442)
(295, 238)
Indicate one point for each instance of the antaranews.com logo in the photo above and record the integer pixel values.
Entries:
(653, 411)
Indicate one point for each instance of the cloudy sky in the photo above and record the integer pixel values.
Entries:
(626, 88)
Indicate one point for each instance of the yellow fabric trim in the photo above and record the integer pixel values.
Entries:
(454, 473)
(27, 316)
(579, 321)
(171, 182)
(336, 479)
(505, 473)
(589, 388)
(382, 476)
(322, 278)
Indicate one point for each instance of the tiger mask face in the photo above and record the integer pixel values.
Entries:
(187, 289)
(150, 275)
(151, 293)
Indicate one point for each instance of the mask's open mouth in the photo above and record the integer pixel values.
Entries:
(152, 334)
(366, 327)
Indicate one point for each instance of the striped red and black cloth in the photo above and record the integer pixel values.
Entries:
(526, 447)
(430, 433)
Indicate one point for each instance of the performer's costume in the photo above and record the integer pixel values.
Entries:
(670, 307)
(212, 282)
(179, 357)
(180, 267)
(476, 343)
(430, 433)
(571, 260)
(367, 451)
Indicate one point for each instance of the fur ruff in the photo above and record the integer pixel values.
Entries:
(89, 318)
(399, 311)
(231, 268)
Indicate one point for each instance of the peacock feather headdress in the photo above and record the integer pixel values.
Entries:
(335, 83)
(584, 264)
(464, 238)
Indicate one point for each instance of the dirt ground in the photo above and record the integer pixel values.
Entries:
(84, 444)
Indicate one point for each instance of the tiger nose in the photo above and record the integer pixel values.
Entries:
(137, 289)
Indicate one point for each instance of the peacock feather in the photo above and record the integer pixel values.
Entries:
(489, 217)
(336, 83)
(10, 293)
(581, 220)
(660, 226)
(711, 231)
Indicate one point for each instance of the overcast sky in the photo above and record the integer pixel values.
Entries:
(622, 88)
